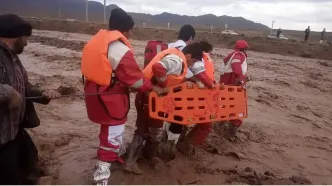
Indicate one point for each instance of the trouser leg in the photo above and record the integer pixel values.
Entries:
(10, 172)
(234, 125)
(28, 158)
(139, 135)
(197, 136)
(110, 150)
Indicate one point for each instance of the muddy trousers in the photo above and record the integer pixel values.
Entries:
(197, 136)
(145, 126)
(19, 161)
(111, 143)
(236, 123)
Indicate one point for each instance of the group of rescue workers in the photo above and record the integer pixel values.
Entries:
(111, 71)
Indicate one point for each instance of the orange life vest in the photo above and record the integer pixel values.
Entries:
(95, 65)
(208, 65)
(171, 79)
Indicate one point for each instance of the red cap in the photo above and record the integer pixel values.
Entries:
(241, 44)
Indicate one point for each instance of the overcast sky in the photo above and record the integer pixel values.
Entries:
(287, 14)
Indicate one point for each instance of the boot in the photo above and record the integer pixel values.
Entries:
(231, 132)
(102, 173)
(134, 153)
(152, 146)
(153, 156)
(168, 150)
(186, 147)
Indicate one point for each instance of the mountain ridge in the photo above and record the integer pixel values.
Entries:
(75, 9)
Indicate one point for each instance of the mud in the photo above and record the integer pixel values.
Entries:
(286, 139)
(258, 42)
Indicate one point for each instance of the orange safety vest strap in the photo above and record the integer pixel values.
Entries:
(209, 66)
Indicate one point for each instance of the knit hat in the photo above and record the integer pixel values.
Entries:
(120, 20)
(12, 26)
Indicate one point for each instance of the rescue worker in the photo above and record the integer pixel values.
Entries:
(234, 72)
(167, 68)
(18, 153)
(186, 36)
(203, 69)
(203, 72)
(110, 69)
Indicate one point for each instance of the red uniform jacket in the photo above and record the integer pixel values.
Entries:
(127, 75)
(235, 68)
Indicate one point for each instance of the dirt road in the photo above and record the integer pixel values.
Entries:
(287, 138)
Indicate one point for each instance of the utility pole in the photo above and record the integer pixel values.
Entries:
(59, 9)
(105, 11)
(272, 27)
(86, 10)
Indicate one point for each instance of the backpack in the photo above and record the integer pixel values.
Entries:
(152, 49)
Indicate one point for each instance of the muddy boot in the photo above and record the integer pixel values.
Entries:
(168, 150)
(134, 153)
(102, 173)
(231, 132)
(151, 150)
(186, 148)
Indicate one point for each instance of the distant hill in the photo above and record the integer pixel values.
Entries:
(75, 9)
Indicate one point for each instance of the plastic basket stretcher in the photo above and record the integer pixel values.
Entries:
(192, 105)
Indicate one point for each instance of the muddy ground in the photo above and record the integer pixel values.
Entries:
(287, 138)
(258, 41)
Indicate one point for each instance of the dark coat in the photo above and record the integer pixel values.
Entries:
(7, 76)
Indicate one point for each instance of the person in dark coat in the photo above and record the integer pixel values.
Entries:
(323, 36)
(18, 153)
(306, 34)
(278, 33)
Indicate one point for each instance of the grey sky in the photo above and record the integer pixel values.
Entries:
(288, 14)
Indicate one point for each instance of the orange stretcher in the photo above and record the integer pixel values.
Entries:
(188, 105)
